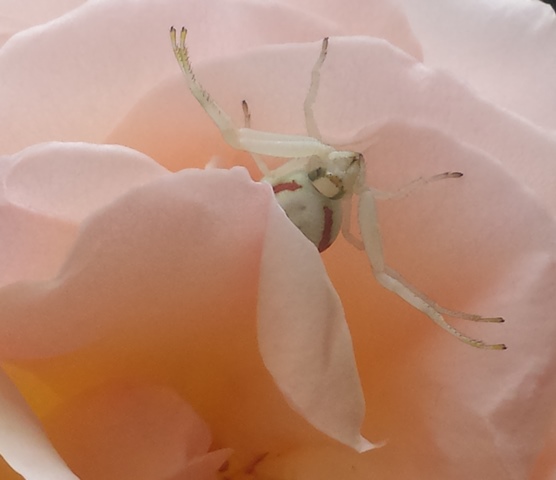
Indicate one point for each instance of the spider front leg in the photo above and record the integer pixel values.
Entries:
(393, 281)
(385, 195)
(310, 122)
(218, 116)
(412, 186)
(255, 141)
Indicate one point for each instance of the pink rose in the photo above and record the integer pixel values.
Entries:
(159, 325)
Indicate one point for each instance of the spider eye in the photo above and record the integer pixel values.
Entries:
(316, 174)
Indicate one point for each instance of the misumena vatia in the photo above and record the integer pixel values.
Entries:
(310, 188)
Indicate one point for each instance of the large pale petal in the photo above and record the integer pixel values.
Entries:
(81, 302)
(23, 443)
(43, 178)
(48, 189)
(18, 15)
(174, 267)
(380, 19)
(74, 79)
(303, 337)
(481, 43)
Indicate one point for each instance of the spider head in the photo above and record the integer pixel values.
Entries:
(339, 175)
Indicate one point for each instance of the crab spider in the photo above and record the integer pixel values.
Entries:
(312, 185)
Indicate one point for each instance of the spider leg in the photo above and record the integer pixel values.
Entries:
(394, 282)
(246, 114)
(258, 159)
(218, 116)
(347, 231)
(310, 122)
(412, 186)
(264, 143)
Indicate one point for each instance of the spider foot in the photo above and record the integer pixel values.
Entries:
(183, 35)
(464, 338)
(468, 316)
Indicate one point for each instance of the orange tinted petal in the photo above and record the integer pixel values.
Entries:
(132, 431)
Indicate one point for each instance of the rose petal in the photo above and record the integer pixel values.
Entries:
(173, 267)
(22, 14)
(23, 443)
(381, 19)
(129, 431)
(118, 239)
(303, 335)
(48, 189)
(494, 421)
(85, 84)
(44, 177)
(511, 39)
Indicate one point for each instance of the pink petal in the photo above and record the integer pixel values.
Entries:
(381, 19)
(21, 14)
(134, 432)
(23, 443)
(470, 414)
(123, 238)
(48, 189)
(66, 81)
(44, 177)
(504, 49)
(303, 337)
(174, 267)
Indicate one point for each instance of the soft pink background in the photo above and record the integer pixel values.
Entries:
(165, 322)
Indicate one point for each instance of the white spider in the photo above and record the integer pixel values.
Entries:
(311, 185)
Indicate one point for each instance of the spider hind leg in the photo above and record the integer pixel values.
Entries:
(394, 282)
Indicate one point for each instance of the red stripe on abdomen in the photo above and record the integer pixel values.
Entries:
(326, 238)
(289, 186)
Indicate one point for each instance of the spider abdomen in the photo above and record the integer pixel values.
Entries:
(318, 217)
